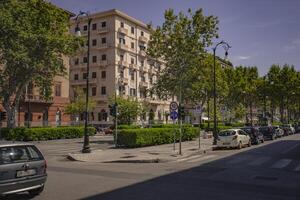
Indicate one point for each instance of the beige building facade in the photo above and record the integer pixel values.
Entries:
(118, 64)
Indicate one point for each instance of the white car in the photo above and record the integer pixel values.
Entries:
(233, 138)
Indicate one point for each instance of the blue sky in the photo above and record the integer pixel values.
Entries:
(261, 32)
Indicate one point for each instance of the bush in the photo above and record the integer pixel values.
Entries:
(153, 136)
(128, 127)
(35, 134)
(4, 132)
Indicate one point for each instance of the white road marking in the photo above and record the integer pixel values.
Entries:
(297, 169)
(281, 163)
(189, 158)
(202, 158)
(259, 161)
(291, 148)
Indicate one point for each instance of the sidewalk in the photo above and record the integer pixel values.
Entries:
(152, 154)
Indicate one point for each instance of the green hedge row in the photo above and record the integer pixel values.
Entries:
(36, 134)
(155, 136)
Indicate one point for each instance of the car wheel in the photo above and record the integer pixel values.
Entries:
(262, 141)
(37, 191)
(240, 145)
(249, 143)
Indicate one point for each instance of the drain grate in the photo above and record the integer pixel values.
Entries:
(267, 178)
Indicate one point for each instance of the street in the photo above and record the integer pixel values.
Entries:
(266, 171)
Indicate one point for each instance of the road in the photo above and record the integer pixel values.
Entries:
(267, 171)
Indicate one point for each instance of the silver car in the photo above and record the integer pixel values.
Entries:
(22, 168)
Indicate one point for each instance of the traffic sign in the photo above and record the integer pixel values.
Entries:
(174, 115)
(198, 109)
(173, 106)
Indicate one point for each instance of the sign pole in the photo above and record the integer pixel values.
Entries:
(174, 135)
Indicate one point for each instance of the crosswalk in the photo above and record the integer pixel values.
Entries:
(248, 160)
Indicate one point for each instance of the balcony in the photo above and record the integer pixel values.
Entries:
(37, 99)
(123, 30)
(123, 63)
(102, 30)
(124, 80)
(102, 46)
(143, 69)
(123, 46)
(143, 39)
(143, 84)
(133, 66)
(142, 53)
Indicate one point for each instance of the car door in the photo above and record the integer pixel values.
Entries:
(245, 136)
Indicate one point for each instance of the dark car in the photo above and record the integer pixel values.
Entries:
(279, 131)
(255, 135)
(22, 169)
(269, 132)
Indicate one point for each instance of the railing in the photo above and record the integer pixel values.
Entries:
(37, 99)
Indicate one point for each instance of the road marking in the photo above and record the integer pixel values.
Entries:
(202, 158)
(238, 160)
(259, 161)
(297, 169)
(291, 148)
(189, 158)
(281, 163)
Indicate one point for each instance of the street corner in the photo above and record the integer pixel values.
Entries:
(85, 157)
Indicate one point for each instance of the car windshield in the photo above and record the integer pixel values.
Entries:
(264, 129)
(16, 154)
(227, 133)
(247, 130)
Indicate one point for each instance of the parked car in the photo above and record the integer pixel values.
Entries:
(22, 168)
(279, 131)
(255, 135)
(268, 132)
(288, 129)
(297, 128)
(233, 138)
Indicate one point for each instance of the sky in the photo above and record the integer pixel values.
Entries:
(261, 32)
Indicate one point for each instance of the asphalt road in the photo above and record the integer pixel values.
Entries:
(267, 171)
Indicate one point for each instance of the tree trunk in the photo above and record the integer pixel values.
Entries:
(11, 114)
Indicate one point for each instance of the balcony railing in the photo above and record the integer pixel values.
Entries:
(143, 39)
(123, 30)
(37, 99)
(102, 30)
(122, 46)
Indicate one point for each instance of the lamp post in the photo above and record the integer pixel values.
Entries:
(86, 143)
(226, 47)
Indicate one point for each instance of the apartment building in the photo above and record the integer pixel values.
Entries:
(118, 64)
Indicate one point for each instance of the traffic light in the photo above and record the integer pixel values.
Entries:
(2, 116)
(113, 110)
(181, 112)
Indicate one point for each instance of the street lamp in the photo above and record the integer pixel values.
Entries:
(226, 48)
(86, 143)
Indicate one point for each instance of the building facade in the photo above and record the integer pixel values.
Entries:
(118, 64)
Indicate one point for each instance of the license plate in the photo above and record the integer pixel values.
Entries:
(28, 172)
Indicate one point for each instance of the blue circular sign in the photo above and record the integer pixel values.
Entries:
(174, 115)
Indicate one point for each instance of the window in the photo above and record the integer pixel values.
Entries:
(132, 45)
(103, 40)
(102, 116)
(77, 61)
(75, 76)
(84, 75)
(151, 79)
(17, 154)
(94, 26)
(85, 27)
(142, 63)
(94, 42)
(94, 59)
(122, 40)
(142, 47)
(103, 57)
(57, 89)
(85, 60)
(143, 78)
(122, 74)
(103, 24)
(132, 92)
(94, 91)
(132, 60)
(121, 57)
(103, 90)
(122, 24)
(142, 33)
(132, 75)
(103, 74)
(94, 75)
(132, 30)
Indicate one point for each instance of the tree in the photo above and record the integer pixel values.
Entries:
(128, 109)
(33, 39)
(181, 42)
(77, 107)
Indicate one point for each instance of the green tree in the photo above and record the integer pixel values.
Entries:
(33, 39)
(77, 106)
(181, 42)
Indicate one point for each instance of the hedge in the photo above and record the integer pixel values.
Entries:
(35, 134)
(153, 136)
